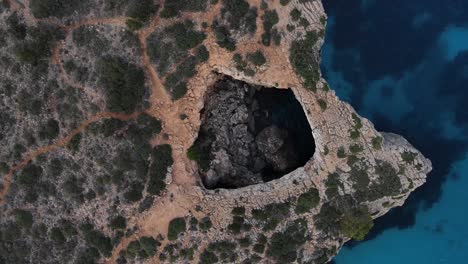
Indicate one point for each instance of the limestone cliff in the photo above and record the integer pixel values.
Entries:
(117, 92)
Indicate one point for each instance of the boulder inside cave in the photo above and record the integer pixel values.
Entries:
(250, 134)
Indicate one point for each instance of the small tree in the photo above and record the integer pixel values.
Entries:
(356, 223)
(23, 218)
(176, 227)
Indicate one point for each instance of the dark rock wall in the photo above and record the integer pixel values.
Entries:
(251, 134)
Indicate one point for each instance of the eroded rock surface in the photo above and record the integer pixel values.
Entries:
(250, 134)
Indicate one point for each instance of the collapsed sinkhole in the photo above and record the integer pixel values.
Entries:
(250, 134)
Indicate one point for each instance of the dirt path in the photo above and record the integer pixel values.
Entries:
(58, 144)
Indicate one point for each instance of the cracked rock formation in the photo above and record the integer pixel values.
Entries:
(183, 132)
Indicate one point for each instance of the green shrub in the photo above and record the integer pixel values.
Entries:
(74, 144)
(133, 24)
(341, 153)
(205, 223)
(123, 82)
(57, 8)
(238, 211)
(56, 235)
(259, 248)
(148, 126)
(134, 192)
(118, 222)
(30, 175)
(234, 11)
(4, 168)
(245, 242)
(356, 148)
(256, 58)
(208, 257)
(37, 50)
(141, 10)
(161, 161)
(322, 104)
(356, 223)
(270, 18)
(284, 2)
(174, 7)
(307, 201)
(333, 185)
(223, 37)
(295, 14)
(301, 55)
(377, 143)
(304, 22)
(96, 239)
(408, 157)
(202, 54)
(185, 35)
(176, 227)
(284, 245)
(23, 218)
(360, 178)
(149, 246)
(50, 130)
(271, 215)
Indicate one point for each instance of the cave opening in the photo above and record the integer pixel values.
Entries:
(250, 134)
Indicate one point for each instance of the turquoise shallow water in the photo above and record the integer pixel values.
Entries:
(404, 65)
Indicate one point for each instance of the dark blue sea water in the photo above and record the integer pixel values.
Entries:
(404, 65)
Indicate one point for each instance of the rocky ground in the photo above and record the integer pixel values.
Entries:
(101, 102)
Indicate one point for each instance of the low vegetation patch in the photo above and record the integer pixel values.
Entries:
(307, 201)
(123, 82)
(303, 58)
(177, 226)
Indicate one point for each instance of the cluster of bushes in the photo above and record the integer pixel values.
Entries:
(177, 226)
(388, 183)
(161, 160)
(96, 239)
(354, 131)
(37, 49)
(57, 8)
(356, 223)
(223, 36)
(270, 19)
(123, 82)
(142, 248)
(174, 252)
(174, 7)
(239, 16)
(302, 57)
(307, 201)
(408, 157)
(140, 12)
(271, 215)
(377, 143)
(222, 251)
(343, 215)
(49, 130)
(238, 225)
(248, 64)
(323, 104)
(88, 37)
(176, 82)
(333, 184)
(284, 245)
(172, 44)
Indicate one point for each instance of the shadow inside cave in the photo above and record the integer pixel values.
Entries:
(250, 134)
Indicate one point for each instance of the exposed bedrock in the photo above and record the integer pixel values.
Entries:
(250, 134)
